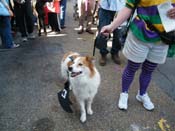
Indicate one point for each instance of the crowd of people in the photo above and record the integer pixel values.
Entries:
(143, 47)
(24, 13)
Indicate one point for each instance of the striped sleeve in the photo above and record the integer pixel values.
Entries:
(131, 3)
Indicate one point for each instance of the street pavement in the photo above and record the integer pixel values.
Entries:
(30, 80)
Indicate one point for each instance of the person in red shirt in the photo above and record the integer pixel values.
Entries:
(54, 15)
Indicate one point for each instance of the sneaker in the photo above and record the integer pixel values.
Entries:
(145, 99)
(31, 36)
(15, 46)
(24, 39)
(123, 101)
(11, 47)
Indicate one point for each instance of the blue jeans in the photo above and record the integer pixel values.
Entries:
(105, 18)
(63, 12)
(5, 32)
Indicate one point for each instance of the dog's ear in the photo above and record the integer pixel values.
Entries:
(90, 59)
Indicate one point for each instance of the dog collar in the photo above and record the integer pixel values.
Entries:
(71, 58)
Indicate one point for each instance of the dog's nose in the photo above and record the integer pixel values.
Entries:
(70, 68)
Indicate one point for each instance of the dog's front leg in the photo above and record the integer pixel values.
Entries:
(89, 108)
(83, 111)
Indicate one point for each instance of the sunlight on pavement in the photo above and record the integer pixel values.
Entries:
(55, 35)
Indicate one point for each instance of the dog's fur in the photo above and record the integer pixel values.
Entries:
(84, 80)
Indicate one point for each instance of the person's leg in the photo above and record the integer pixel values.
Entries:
(63, 4)
(54, 19)
(127, 78)
(40, 25)
(128, 75)
(51, 20)
(81, 9)
(144, 80)
(56, 22)
(104, 19)
(43, 24)
(20, 18)
(2, 30)
(6, 36)
(58, 26)
(145, 76)
(157, 55)
(29, 17)
(116, 46)
(90, 10)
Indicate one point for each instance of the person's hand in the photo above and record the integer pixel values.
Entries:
(35, 13)
(171, 13)
(106, 30)
(11, 13)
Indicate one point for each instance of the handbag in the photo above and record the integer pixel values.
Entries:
(167, 37)
(122, 33)
(63, 97)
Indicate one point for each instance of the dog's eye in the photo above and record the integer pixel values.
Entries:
(80, 64)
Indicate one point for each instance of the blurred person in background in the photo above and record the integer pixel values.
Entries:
(24, 18)
(53, 8)
(5, 25)
(107, 11)
(63, 5)
(85, 9)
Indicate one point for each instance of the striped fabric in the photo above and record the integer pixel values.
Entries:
(146, 11)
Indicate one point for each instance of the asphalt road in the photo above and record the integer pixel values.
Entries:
(164, 77)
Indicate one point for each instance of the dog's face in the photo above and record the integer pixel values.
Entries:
(81, 66)
(67, 60)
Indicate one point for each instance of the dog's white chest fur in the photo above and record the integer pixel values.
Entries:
(85, 87)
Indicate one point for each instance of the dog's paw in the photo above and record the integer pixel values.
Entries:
(90, 112)
(83, 118)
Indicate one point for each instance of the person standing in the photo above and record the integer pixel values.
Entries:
(63, 4)
(85, 10)
(143, 47)
(54, 15)
(5, 25)
(24, 18)
(39, 8)
(107, 11)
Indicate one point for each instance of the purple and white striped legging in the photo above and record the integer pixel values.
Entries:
(145, 76)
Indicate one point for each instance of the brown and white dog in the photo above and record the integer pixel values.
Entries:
(84, 80)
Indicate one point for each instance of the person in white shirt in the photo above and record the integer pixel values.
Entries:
(107, 11)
